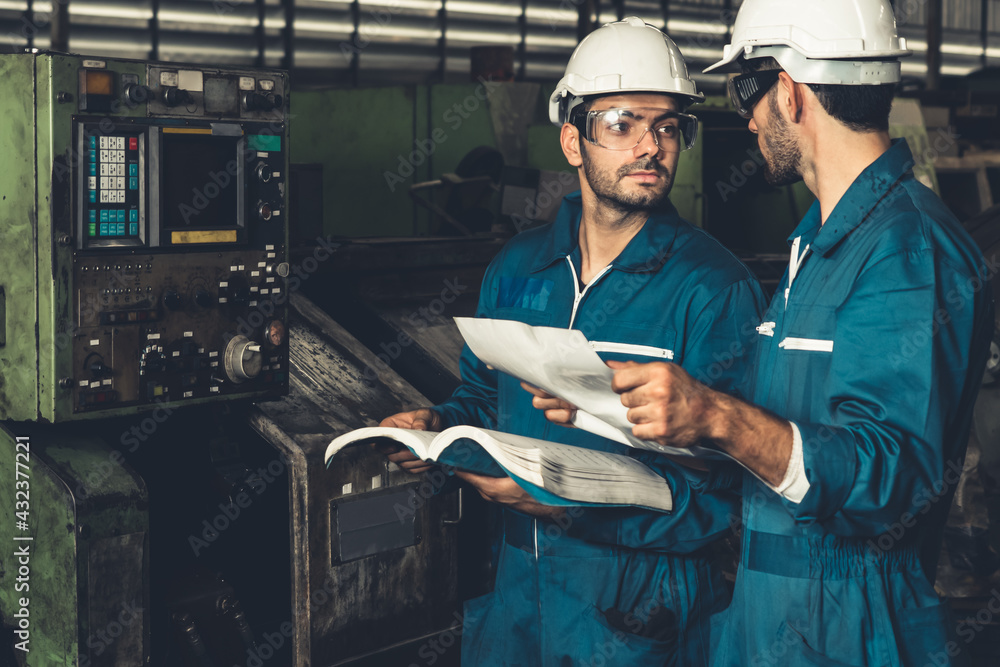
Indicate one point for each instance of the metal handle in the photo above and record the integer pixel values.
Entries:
(449, 522)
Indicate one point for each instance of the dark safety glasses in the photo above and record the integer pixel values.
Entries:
(747, 89)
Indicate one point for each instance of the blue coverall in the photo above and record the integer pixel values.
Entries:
(877, 357)
(609, 586)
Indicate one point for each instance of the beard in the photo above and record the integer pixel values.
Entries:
(783, 157)
(608, 186)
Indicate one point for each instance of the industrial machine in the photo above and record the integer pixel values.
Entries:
(144, 232)
(144, 248)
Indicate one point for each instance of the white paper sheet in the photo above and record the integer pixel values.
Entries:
(562, 362)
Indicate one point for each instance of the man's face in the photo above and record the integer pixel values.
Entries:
(782, 156)
(637, 179)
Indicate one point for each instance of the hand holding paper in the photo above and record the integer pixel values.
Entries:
(562, 363)
(418, 420)
(556, 410)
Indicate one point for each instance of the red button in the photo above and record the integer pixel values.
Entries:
(133, 143)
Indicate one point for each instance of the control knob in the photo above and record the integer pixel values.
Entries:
(172, 300)
(281, 270)
(136, 93)
(173, 97)
(203, 298)
(242, 360)
(264, 211)
(264, 172)
(275, 333)
(257, 102)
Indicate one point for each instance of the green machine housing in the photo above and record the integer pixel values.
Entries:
(144, 234)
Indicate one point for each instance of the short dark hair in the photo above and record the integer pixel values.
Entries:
(861, 108)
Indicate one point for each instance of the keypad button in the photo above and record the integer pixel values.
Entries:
(133, 216)
(104, 229)
(92, 228)
(133, 229)
(92, 215)
(104, 215)
(93, 196)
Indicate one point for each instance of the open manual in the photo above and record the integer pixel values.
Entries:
(552, 473)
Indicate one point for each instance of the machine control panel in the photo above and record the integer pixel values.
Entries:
(148, 229)
(164, 329)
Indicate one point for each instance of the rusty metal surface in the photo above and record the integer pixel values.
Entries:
(361, 606)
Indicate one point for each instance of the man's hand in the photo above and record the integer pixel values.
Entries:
(556, 410)
(417, 420)
(505, 491)
(666, 404)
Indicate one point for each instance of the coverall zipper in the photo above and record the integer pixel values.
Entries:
(577, 298)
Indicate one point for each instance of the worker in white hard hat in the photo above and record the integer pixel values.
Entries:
(613, 585)
(867, 362)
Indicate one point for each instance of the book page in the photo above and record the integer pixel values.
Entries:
(574, 473)
(418, 441)
(562, 362)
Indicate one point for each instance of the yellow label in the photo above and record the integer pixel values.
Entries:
(215, 236)
(187, 130)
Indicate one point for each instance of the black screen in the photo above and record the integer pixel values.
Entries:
(199, 187)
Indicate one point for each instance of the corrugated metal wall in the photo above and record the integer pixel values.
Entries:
(403, 41)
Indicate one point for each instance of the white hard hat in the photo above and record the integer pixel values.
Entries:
(622, 57)
(845, 42)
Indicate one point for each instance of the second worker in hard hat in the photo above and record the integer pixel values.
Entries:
(867, 361)
(608, 586)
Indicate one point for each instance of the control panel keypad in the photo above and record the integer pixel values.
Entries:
(111, 204)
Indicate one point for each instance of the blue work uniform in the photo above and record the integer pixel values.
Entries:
(610, 585)
(875, 352)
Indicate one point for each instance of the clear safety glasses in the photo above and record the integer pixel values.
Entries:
(747, 89)
(623, 129)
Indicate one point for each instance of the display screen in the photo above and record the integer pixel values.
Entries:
(200, 185)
